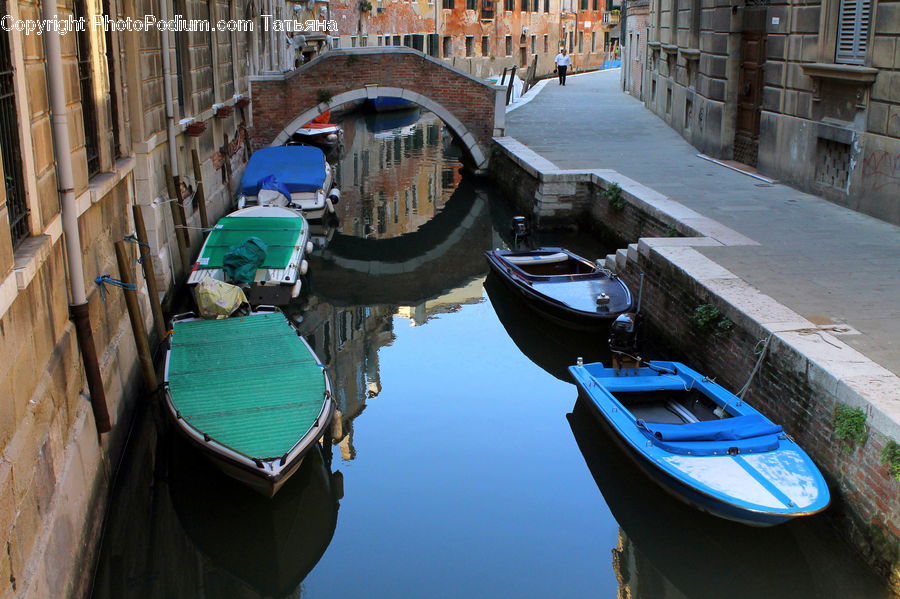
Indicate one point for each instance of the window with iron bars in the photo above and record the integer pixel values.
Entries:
(9, 144)
(86, 81)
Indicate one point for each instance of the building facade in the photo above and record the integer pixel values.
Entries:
(634, 46)
(483, 37)
(808, 93)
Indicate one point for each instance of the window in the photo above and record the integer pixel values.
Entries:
(509, 45)
(472, 4)
(9, 140)
(113, 93)
(853, 31)
(380, 41)
(580, 42)
(447, 3)
(352, 41)
(533, 44)
(536, 6)
(546, 5)
(595, 5)
(335, 42)
(470, 45)
(509, 5)
(397, 40)
(86, 84)
(433, 44)
(363, 41)
(523, 5)
(485, 45)
(448, 45)
(584, 4)
(593, 41)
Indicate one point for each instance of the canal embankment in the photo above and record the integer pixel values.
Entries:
(841, 406)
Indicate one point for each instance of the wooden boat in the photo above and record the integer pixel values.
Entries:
(250, 392)
(286, 235)
(704, 444)
(296, 177)
(573, 291)
(319, 132)
(387, 103)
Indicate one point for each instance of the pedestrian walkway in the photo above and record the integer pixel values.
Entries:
(825, 262)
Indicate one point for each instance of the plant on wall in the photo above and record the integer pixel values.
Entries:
(850, 425)
(613, 195)
(323, 96)
(890, 457)
(708, 318)
(365, 6)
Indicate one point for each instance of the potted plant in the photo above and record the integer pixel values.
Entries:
(196, 128)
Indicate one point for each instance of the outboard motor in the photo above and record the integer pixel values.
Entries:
(624, 336)
(519, 230)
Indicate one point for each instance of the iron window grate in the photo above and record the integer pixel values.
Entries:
(9, 142)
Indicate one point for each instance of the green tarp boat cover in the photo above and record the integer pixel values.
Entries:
(241, 261)
(280, 234)
(248, 382)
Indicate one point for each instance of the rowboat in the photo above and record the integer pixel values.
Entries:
(703, 444)
(571, 290)
(275, 277)
(249, 392)
(296, 177)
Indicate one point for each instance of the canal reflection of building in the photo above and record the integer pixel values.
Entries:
(394, 172)
(447, 303)
(205, 535)
(550, 346)
(669, 550)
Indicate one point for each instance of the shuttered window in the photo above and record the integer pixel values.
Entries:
(853, 31)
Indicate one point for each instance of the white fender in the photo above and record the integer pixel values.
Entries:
(309, 247)
(304, 267)
(295, 290)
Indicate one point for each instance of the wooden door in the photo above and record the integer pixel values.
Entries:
(749, 103)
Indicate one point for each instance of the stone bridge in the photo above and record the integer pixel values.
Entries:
(472, 108)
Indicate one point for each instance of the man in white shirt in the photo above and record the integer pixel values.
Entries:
(563, 62)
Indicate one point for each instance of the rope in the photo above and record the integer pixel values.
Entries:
(103, 280)
(762, 354)
(133, 238)
(204, 229)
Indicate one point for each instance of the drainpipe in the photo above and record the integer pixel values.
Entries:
(167, 91)
(79, 308)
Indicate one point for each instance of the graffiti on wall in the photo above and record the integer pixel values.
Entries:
(881, 170)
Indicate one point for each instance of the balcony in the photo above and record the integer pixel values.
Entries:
(611, 18)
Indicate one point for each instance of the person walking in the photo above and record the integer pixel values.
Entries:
(563, 62)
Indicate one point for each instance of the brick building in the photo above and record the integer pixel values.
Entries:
(482, 37)
(808, 93)
(634, 46)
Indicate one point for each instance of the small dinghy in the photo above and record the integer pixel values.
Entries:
(573, 291)
(248, 391)
(262, 249)
(319, 132)
(704, 444)
(296, 177)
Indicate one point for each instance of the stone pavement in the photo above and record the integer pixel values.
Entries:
(827, 263)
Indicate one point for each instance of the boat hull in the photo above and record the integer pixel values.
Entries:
(557, 312)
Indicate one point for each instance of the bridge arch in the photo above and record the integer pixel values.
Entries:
(473, 109)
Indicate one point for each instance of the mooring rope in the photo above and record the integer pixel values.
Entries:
(103, 280)
(762, 354)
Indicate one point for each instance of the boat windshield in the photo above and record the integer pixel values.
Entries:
(567, 267)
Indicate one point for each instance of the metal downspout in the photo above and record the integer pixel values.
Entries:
(79, 308)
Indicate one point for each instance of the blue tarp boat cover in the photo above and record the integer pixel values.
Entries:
(299, 169)
(726, 429)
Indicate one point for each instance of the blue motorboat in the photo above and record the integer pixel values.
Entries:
(386, 103)
(703, 443)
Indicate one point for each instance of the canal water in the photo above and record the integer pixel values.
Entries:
(466, 467)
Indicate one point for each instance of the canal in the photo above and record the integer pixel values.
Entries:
(466, 467)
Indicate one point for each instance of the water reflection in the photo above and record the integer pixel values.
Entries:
(179, 528)
(667, 549)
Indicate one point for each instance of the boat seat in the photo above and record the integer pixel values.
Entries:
(751, 433)
(538, 259)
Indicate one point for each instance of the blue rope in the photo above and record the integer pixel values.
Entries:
(134, 239)
(104, 280)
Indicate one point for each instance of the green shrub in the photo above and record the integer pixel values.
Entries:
(890, 456)
(613, 195)
(671, 231)
(709, 319)
(323, 96)
(850, 426)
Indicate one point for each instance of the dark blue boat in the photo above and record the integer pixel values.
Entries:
(704, 444)
(563, 286)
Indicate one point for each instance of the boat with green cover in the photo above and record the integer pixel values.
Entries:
(281, 240)
(250, 392)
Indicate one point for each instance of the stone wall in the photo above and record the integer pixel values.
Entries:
(806, 372)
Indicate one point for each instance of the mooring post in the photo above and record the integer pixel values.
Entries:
(134, 314)
(178, 221)
(509, 89)
(159, 320)
(201, 196)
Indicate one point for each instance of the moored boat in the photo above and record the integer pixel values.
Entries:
(280, 237)
(319, 132)
(296, 177)
(250, 392)
(568, 288)
(386, 103)
(704, 444)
